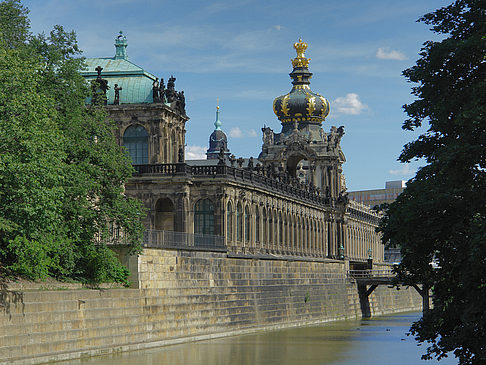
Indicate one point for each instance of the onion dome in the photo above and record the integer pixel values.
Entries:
(217, 140)
(301, 104)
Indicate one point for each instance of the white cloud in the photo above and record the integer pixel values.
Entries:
(277, 27)
(195, 153)
(349, 104)
(404, 171)
(390, 54)
(236, 132)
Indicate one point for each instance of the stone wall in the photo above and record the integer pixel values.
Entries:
(183, 296)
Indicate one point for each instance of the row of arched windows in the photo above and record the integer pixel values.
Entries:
(274, 230)
(360, 240)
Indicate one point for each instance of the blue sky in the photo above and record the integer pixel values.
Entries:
(239, 51)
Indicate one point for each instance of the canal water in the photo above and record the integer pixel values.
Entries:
(375, 341)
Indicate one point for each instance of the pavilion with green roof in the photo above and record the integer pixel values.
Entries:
(136, 84)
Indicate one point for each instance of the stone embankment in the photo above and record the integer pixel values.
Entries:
(182, 296)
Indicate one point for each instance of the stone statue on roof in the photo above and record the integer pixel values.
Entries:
(117, 94)
(155, 90)
(181, 102)
(99, 86)
(161, 90)
(170, 93)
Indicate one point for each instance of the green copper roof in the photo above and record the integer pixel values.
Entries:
(136, 83)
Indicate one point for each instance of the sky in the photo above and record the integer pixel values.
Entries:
(239, 51)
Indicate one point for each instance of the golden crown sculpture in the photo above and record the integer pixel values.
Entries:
(300, 60)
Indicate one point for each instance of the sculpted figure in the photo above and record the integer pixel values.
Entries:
(340, 134)
(221, 157)
(181, 102)
(181, 154)
(240, 162)
(155, 90)
(161, 90)
(170, 93)
(99, 86)
(117, 94)
(267, 136)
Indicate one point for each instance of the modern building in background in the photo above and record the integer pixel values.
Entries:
(379, 196)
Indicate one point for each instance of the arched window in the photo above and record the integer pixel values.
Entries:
(204, 217)
(247, 224)
(265, 229)
(229, 223)
(280, 229)
(239, 223)
(275, 228)
(164, 215)
(296, 232)
(257, 224)
(270, 227)
(305, 238)
(135, 140)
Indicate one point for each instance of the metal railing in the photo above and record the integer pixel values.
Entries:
(374, 274)
(170, 239)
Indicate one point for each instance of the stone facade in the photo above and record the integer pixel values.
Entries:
(164, 125)
(184, 296)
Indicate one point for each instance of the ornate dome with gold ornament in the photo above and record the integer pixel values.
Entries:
(301, 104)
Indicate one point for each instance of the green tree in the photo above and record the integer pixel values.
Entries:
(441, 215)
(61, 170)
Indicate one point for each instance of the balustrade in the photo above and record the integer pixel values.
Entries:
(239, 174)
(170, 239)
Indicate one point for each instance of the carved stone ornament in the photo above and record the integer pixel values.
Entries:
(296, 136)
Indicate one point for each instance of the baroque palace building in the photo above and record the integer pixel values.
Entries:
(291, 202)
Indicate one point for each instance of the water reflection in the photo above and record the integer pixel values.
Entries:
(380, 340)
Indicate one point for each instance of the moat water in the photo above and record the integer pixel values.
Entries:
(376, 341)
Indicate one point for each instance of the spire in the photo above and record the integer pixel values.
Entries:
(217, 123)
(121, 47)
(300, 74)
(217, 140)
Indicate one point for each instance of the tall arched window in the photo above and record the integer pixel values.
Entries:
(247, 224)
(270, 227)
(164, 215)
(204, 217)
(296, 232)
(257, 224)
(229, 223)
(135, 140)
(239, 223)
(275, 228)
(280, 229)
(265, 229)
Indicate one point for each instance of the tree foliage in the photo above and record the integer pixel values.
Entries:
(441, 215)
(61, 170)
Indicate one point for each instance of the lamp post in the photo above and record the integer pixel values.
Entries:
(341, 252)
(370, 258)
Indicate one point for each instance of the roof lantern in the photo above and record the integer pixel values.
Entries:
(121, 47)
